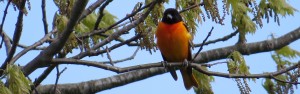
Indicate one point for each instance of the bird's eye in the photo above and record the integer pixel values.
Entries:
(169, 16)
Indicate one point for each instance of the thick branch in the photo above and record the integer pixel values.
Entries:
(139, 72)
(249, 48)
(269, 45)
(93, 86)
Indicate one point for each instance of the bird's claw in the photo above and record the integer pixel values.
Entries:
(164, 63)
(185, 63)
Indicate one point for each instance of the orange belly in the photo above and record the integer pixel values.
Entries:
(173, 41)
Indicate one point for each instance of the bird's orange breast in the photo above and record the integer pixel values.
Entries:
(173, 41)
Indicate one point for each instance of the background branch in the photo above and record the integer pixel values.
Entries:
(116, 34)
(249, 48)
(45, 23)
(57, 44)
(38, 43)
(219, 39)
(16, 38)
(101, 14)
(118, 80)
(89, 87)
(6, 41)
(90, 9)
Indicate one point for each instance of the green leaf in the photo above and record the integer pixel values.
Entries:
(281, 7)
(237, 64)
(3, 89)
(288, 52)
(61, 22)
(269, 86)
(203, 82)
(282, 78)
(18, 83)
(240, 19)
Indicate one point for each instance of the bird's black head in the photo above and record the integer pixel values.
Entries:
(171, 16)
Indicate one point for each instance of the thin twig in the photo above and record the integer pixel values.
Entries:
(201, 47)
(56, 46)
(94, 53)
(16, 38)
(90, 9)
(192, 6)
(275, 78)
(7, 42)
(42, 77)
(115, 24)
(219, 39)
(40, 42)
(119, 39)
(57, 78)
(209, 65)
(125, 59)
(123, 24)
(3, 20)
(35, 48)
(109, 58)
(45, 23)
(101, 14)
(117, 33)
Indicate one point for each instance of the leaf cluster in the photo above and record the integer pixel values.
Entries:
(237, 65)
(203, 82)
(83, 27)
(282, 58)
(18, 83)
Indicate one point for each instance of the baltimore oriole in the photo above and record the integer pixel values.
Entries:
(173, 42)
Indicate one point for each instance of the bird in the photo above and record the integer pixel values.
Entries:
(173, 41)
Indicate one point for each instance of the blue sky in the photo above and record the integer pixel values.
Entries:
(33, 31)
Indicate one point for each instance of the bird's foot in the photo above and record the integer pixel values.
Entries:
(164, 63)
(186, 63)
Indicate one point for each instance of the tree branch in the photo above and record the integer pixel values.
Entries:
(101, 14)
(40, 42)
(191, 7)
(6, 41)
(249, 48)
(90, 9)
(16, 38)
(4, 16)
(219, 39)
(116, 34)
(94, 86)
(115, 24)
(269, 45)
(94, 53)
(45, 23)
(125, 59)
(118, 80)
(55, 46)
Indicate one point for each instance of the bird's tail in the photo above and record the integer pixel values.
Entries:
(188, 78)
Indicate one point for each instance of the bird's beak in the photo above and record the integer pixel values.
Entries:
(170, 16)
